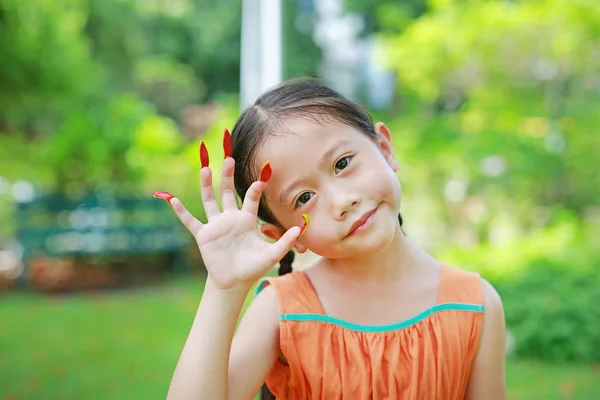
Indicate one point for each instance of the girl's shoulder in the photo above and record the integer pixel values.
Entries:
(460, 286)
(469, 286)
(294, 293)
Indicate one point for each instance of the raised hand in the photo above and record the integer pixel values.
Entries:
(232, 249)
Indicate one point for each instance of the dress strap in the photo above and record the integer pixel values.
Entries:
(295, 293)
(459, 286)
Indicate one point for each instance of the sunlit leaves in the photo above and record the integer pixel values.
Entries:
(483, 81)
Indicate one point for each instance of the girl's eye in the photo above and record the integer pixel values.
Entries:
(342, 163)
(304, 198)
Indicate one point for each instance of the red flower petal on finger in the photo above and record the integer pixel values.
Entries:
(164, 195)
(227, 144)
(203, 155)
(266, 172)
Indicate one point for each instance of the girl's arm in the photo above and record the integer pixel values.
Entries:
(207, 369)
(255, 347)
(201, 371)
(235, 256)
(487, 379)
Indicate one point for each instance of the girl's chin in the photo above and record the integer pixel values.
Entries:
(363, 249)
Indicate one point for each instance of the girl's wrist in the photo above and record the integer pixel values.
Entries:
(237, 291)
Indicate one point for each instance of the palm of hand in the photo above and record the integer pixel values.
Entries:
(233, 250)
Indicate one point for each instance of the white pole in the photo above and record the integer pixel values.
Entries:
(261, 57)
(249, 68)
(270, 43)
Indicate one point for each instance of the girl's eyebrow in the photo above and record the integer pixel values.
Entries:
(324, 158)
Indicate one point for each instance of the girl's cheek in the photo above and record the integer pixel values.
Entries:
(314, 235)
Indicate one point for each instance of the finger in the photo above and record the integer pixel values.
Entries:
(252, 197)
(285, 243)
(227, 185)
(186, 218)
(207, 191)
(211, 207)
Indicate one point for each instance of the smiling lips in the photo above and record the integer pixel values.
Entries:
(362, 223)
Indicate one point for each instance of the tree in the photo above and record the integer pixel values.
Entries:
(504, 96)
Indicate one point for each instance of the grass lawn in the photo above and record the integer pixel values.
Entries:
(124, 345)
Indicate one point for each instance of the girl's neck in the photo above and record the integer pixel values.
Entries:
(391, 263)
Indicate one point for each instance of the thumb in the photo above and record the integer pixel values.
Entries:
(285, 243)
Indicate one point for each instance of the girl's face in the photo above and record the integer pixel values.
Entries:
(344, 180)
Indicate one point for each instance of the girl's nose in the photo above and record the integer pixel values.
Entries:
(343, 202)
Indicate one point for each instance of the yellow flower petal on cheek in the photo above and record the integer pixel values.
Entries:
(305, 226)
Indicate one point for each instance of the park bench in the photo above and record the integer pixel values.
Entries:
(54, 228)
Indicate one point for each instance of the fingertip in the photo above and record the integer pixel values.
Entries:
(297, 231)
(293, 234)
(287, 241)
(229, 165)
(166, 196)
(259, 186)
(206, 173)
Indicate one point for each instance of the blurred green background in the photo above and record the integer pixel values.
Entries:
(494, 108)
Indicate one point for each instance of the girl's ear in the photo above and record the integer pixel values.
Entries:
(300, 248)
(273, 232)
(384, 141)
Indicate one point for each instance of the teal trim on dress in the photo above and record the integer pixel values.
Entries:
(383, 328)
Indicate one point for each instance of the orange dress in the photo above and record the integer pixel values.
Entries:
(428, 356)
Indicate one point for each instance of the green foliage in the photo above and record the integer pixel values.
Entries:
(45, 59)
(170, 85)
(88, 151)
(87, 85)
(503, 97)
(552, 310)
(301, 56)
(548, 282)
(388, 16)
(151, 152)
(93, 90)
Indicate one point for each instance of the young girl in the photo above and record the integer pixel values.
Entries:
(374, 318)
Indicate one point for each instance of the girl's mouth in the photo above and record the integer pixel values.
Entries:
(362, 223)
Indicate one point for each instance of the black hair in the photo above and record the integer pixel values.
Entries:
(305, 98)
